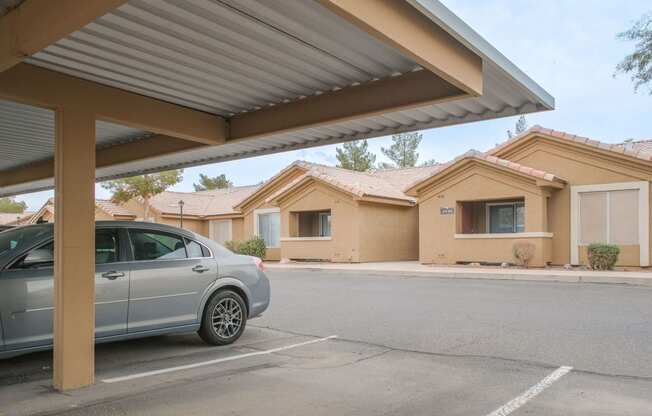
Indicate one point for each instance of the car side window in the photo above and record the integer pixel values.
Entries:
(107, 246)
(156, 245)
(196, 250)
(37, 258)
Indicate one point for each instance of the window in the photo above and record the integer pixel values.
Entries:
(196, 250)
(609, 217)
(37, 258)
(506, 217)
(155, 245)
(107, 246)
(20, 238)
(269, 228)
(220, 231)
(325, 224)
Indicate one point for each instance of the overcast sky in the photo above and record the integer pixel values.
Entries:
(568, 47)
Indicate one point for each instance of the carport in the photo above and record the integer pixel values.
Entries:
(92, 90)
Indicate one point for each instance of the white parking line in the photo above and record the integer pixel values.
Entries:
(532, 392)
(211, 362)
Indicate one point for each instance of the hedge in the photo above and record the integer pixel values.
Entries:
(252, 247)
(603, 256)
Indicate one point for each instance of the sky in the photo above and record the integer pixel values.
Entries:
(569, 47)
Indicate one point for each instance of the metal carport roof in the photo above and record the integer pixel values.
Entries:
(233, 57)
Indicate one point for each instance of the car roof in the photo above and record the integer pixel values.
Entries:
(131, 224)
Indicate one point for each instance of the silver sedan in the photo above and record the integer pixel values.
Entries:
(150, 279)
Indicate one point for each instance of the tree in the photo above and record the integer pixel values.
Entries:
(11, 206)
(207, 183)
(638, 63)
(355, 156)
(403, 150)
(520, 127)
(144, 187)
(429, 162)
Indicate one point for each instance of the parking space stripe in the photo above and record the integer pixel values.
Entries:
(532, 392)
(212, 362)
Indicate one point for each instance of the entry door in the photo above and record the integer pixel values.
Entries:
(26, 290)
(221, 231)
(166, 283)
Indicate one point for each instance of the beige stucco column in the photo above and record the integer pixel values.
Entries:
(536, 213)
(74, 242)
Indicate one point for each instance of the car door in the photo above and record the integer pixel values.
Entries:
(27, 287)
(166, 282)
(111, 282)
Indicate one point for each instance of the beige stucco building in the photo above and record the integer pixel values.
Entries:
(209, 213)
(559, 192)
(315, 212)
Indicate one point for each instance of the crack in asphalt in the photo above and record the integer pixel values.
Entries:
(532, 363)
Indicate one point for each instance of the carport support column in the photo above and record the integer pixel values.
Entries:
(74, 243)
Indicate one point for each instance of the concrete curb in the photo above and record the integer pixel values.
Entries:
(570, 277)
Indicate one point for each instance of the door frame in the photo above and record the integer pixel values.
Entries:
(643, 188)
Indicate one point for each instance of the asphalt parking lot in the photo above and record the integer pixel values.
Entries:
(417, 346)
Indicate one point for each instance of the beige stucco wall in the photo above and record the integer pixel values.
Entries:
(388, 232)
(273, 254)
(344, 243)
(476, 182)
(237, 229)
(578, 167)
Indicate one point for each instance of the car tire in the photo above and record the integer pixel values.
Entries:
(224, 318)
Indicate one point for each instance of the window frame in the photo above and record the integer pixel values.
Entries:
(643, 188)
(514, 205)
(146, 230)
(323, 215)
(263, 211)
(186, 240)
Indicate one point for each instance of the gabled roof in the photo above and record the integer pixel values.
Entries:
(640, 150)
(12, 219)
(105, 205)
(385, 184)
(474, 155)
(203, 203)
(113, 209)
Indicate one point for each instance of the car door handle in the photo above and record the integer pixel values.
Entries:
(112, 275)
(200, 269)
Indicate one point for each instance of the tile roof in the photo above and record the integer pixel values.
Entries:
(385, 183)
(640, 150)
(203, 203)
(638, 146)
(6, 218)
(113, 208)
(486, 157)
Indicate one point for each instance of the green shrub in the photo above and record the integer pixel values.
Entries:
(252, 247)
(603, 256)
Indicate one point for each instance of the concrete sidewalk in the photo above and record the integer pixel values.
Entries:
(413, 268)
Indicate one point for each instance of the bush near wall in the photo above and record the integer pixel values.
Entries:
(603, 256)
(252, 247)
(523, 252)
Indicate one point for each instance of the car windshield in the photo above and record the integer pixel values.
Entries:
(18, 238)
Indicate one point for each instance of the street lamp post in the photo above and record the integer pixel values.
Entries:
(181, 204)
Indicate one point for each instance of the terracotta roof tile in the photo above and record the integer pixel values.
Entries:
(382, 183)
(641, 149)
(113, 209)
(203, 203)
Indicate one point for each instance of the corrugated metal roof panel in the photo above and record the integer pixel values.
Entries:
(225, 56)
(230, 56)
(27, 134)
